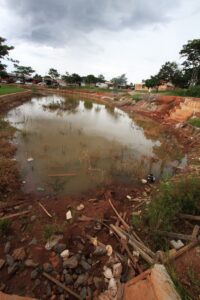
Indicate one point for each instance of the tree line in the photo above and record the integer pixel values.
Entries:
(183, 76)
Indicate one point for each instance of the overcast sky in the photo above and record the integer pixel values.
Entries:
(99, 36)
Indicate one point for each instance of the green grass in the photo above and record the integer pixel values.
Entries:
(190, 92)
(4, 89)
(174, 198)
(137, 97)
(195, 122)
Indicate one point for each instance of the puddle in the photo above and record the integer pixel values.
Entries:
(84, 145)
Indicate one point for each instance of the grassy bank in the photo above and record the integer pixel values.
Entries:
(6, 89)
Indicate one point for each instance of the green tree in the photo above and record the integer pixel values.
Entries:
(23, 71)
(191, 53)
(37, 77)
(4, 52)
(119, 81)
(152, 82)
(72, 79)
(91, 79)
(53, 73)
(101, 78)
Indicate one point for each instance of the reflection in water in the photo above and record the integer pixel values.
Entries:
(78, 145)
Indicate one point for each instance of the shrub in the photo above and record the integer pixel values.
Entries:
(195, 122)
(174, 198)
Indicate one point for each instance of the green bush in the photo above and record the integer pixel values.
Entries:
(174, 198)
(195, 122)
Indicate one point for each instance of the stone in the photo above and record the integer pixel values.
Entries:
(64, 254)
(80, 207)
(30, 263)
(48, 290)
(99, 251)
(117, 270)
(2, 263)
(33, 242)
(68, 279)
(2, 286)
(144, 181)
(98, 282)
(68, 215)
(13, 269)
(7, 247)
(71, 262)
(34, 274)
(177, 244)
(108, 273)
(83, 293)
(85, 265)
(109, 250)
(53, 241)
(33, 218)
(19, 254)
(81, 280)
(47, 267)
(9, 260)
(59, 248)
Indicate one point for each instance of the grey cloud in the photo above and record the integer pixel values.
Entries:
(51, 22)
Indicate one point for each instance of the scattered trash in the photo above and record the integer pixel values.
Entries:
(151, 178)
(144, 181)
(80, 207)
(109, 250)
(30, 159)
(177, 244)
(68, 215)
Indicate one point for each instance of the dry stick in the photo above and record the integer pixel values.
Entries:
(64, 287)
(185, 237)
(123, 222)
(189, 217)
(139, 244)
(182, 250)
(142, 253)
(15, 215)
(44, 209)
(62, 175)
(195, 231)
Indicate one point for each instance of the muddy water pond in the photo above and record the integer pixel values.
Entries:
(68, 145)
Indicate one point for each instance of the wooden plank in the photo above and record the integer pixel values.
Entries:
(195, 231)
(182, 251)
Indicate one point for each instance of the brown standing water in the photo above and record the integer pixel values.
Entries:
(67, 145)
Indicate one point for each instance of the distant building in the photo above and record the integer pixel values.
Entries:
(102, 85)
(167, 86)
(140, 87)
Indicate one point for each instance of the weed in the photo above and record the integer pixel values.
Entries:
(4, 227)
(136, 220)
(174, 198)
(195, 122)
(179, 288)
(195, 281)
(51, 229)
(137, 97)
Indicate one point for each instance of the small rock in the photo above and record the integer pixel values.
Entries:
(85, 265)
(99, 251)
(59, 248)
(83, 293)
(34, 274)
(117, 270)
(7, 247)
(47, 267)
(30, 159)
(9, 260)
(81, 280)
(30, 263)
(144, 181)
(2, 286)
(177, 245)
(2, 263)
(13, 269)
(128, 197)
(19, 254)
(33, 242)
(33, 218)
(65, 254)
(53, 241)
(68, 279)
(108, 273)
(48, 290)
(109, 250)
(80, 207)
(71, 263)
